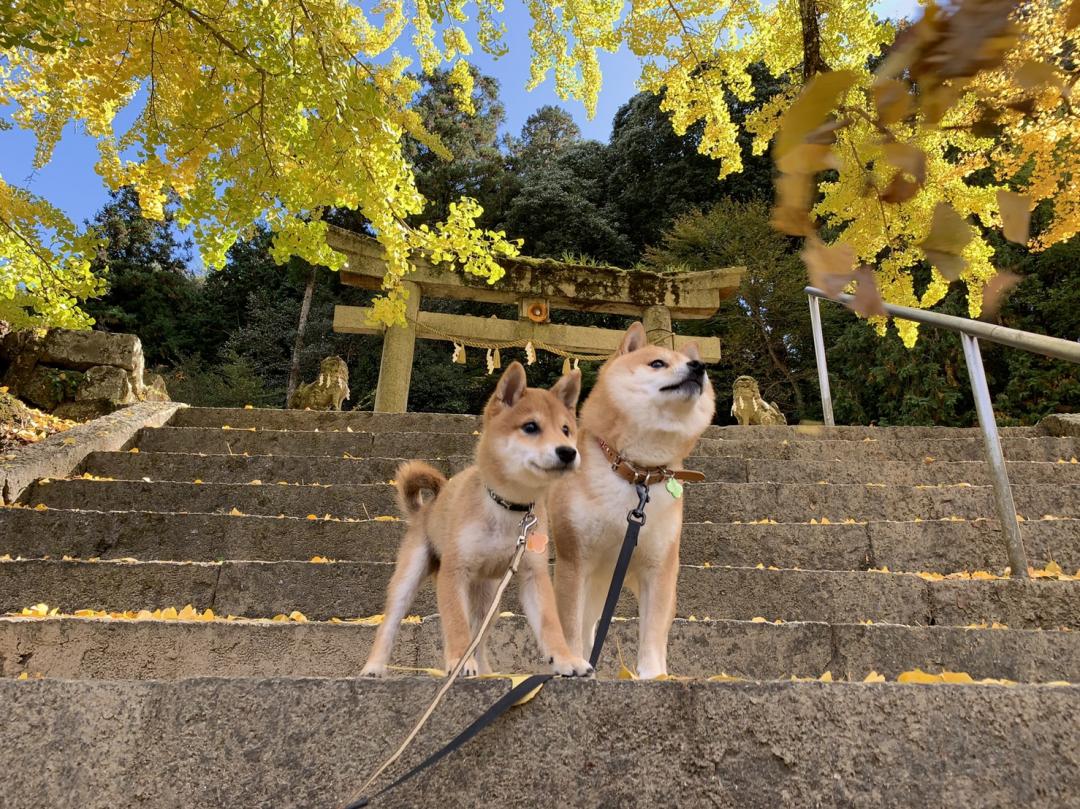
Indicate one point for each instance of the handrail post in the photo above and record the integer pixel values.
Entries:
(1006, 507)
(819, 355)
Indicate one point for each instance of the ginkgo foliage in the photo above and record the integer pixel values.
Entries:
(277, 111)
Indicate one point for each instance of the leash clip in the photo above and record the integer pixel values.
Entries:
(637, 515)
(528, 522)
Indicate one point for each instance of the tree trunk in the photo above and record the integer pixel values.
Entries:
(298, 346)
(811, 38)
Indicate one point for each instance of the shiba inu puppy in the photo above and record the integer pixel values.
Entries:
(467, 533)
(646, 412)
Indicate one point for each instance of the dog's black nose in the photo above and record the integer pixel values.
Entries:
(697, 367)
(566, 454)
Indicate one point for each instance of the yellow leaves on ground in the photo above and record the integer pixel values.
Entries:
(134, 450)
(185, 613)
(235, 512)
(26, 425)
(321, 560)
(386, 518)
(920, 677)
(874, 677)
(295, 616)
(515, 681)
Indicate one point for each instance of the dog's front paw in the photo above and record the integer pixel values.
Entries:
(375, 670)
(571, 667)
(470, 669)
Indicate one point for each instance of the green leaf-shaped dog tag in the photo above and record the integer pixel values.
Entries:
(674, 488)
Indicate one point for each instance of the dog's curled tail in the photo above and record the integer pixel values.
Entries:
(413, 478)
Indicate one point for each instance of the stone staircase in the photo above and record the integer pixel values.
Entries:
(810, 551)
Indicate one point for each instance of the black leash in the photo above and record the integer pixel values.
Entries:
(634, 520)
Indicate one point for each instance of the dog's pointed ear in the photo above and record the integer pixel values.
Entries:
(568, 389)
(511, 385)
(634, 338)
(692, 351)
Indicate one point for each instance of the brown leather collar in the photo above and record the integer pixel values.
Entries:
(647, 475)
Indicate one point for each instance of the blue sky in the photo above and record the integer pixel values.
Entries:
(69, 181)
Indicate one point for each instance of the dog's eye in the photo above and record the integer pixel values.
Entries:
(530, 428)
(566, 429)
(658, 364)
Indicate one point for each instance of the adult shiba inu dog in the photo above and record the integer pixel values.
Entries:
(467, 533)
(646, 412)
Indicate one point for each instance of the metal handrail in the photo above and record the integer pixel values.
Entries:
(970, 332)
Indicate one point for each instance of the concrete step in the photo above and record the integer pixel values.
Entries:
(940, 546)
(346, 589)
(716, 502)
(427, 444)
(267, 419)
(312, 742)
(107, 649)
(718, 469)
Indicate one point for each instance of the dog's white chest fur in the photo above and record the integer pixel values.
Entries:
(602, 515)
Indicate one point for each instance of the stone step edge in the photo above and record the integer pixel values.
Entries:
(394, 519)
(977, 575)
(843, 639)
(312, 742)
(369, 622)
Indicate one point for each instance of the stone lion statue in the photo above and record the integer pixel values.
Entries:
(328, 391)
(748, 406)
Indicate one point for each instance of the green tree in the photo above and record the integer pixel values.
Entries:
(563, 208)
(476, 167)
(151, 292)
(546, 134)
(657, 175)
(765, 327)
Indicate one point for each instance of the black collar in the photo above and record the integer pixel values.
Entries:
(508, 505)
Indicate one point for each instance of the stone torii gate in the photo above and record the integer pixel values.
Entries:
(537, 286)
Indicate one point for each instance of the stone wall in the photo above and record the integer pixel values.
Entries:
(77, 374)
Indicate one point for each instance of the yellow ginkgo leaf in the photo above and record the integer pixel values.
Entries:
(370, 620)
(386, 518)
(298, 616)
(918, 676)
(319, 560)
(235, 512)
(874, 677)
